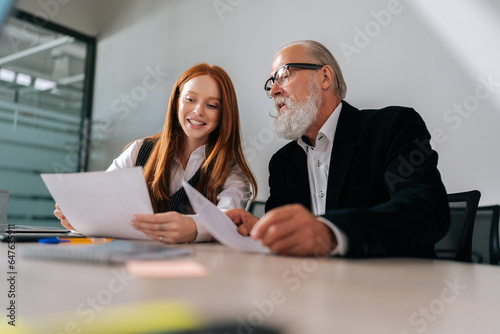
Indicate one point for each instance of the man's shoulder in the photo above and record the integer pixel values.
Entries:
(388, 112)
(385, 115)
(289, 148)
(285, 152)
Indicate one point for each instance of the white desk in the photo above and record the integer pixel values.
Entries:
(310, 295)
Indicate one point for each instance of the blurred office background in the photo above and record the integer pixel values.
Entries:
(442, 58)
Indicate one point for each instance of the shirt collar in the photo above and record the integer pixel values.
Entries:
(327, 130)
(197, 154)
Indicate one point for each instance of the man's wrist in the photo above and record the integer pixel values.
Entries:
(340, 242)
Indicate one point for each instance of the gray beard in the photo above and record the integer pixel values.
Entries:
(294, 123)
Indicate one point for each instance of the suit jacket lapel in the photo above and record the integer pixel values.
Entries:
(298, 178)
(344, 146)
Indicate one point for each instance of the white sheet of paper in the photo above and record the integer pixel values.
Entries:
(219, 225)
(102, 203)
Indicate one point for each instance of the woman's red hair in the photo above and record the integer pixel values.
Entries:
(224, 147)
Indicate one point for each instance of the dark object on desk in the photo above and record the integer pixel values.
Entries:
(235, 328)
(26, 233)
(457, 243)
(36, 229)
(35, 236)
(485, 239)
(113, 252)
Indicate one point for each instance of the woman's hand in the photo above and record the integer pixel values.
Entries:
(169, 227)
(64, 222)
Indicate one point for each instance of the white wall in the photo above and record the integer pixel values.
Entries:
(433, 56)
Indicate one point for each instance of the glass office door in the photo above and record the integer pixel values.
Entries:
(46, 74)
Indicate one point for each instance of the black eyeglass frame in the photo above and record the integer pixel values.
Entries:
(306, 66)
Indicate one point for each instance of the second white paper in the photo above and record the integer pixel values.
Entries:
(219, 225)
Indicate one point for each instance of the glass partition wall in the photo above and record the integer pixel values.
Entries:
(46, 75)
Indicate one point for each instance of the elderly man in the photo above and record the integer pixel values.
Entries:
(354, 183)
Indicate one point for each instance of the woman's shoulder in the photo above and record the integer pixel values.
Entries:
(127, 158)
(134, 145)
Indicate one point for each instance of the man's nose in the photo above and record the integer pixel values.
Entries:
(275, 90)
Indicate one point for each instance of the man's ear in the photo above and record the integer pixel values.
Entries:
(327, 76)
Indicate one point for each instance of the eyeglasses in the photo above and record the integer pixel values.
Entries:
(282, 74)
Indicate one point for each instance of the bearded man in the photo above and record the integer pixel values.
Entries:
(353, 183)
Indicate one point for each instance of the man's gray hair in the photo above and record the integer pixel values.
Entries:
(324, 57)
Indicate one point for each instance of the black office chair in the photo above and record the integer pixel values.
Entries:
(485, 239)
(257, 208)
(457, 243)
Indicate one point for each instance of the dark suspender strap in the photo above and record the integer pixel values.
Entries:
(179, 201)
(145, 151)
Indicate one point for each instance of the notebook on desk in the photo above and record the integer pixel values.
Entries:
(113, 252)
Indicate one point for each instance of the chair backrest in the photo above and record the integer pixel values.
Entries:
(457, 243)
(257, 208)
(485, 239)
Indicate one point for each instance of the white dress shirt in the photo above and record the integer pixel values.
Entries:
(318, 167)
(235, 192)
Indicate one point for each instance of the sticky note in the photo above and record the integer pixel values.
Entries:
(162, 269)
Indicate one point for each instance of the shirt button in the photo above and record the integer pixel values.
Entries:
(318, 163)
(321, 194)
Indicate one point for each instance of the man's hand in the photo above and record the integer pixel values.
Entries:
(243, 219)
(293, 230)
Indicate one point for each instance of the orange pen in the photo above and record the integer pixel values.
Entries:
(58, 240)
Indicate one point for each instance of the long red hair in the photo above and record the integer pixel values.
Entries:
(224, 148)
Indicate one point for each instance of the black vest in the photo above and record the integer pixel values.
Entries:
(178, 201)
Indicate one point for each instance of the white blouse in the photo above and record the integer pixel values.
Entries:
(235, 192)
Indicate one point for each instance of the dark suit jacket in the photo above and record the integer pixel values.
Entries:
(384, 190)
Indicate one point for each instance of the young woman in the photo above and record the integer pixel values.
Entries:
(200, 143)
